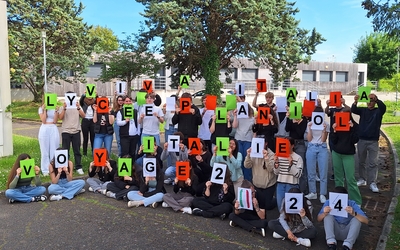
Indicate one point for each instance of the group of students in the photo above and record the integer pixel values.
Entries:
(269, 177)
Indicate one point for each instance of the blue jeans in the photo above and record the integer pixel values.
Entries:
(118, 138)
(170, 172)
(134, 196)
(68, 189)
(317, 153)
(281, 189)
(156, 137)
(107, 139)
(24, 193)
(247, 172)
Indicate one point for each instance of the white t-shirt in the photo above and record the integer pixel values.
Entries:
(204, 130)
(317, 134)
(151, 125)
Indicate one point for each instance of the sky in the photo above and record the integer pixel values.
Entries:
(341, 22)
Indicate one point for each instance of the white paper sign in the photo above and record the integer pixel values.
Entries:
(293, 203)
(218, 173)
(312, 96)
(281, 103)
(239, 87)
(148, 109)
(120, 87)
(245, 198)
(338, 202)
(317, 119)
(61, 158)
(173, 143)
(257, 147)
(170, 104)
(242, 110)
(70, 100)
(149, 167)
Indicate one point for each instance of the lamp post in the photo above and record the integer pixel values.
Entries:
(397, 72)
(44, 60)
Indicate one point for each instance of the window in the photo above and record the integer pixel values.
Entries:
(94, 70)
(308, 76)
(249, 74)
(228, 73)
(325, 76)
(341, 76)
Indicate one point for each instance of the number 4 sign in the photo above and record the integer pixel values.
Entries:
(218, 173)
(338, 202)
(293, 203)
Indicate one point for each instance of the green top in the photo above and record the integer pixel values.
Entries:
(17, 182)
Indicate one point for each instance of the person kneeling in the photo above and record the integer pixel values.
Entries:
(341, 228)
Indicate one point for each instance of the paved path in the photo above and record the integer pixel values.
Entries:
(92, 221)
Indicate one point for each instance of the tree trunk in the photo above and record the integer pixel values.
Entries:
(210, 69)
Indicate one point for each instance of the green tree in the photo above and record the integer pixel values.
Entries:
(379, 52)
(68, 46)
(201, 37)
(132, 60)
(385, 16)
(105, 39)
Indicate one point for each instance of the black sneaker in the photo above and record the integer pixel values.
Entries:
(332, 178)
(11, 201)
(345, 247)
(197, 212)
(222, 216)
(332, 246)
(40, 198)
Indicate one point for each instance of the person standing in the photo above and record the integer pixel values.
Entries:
(71, 132)
(151, 124)
(129, 130)
(103, 129)
(117, 106)
(189, 123)
(49, 137)
(204, 129)
(368, 133)
(87, 124)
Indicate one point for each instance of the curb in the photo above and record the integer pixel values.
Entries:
(387, 227)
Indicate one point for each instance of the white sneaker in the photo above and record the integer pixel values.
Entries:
(82, 191)
(304, 241)
(91, 189)
(277, 236)
(55, 197)
(133, 203)
(374, 188)
(317, 178)
(322, 198)
(187, 210)
(80, 171)
(361, 182)
(45, 174)
(311, 196)
(103, 191)
(232, 224)
(263, 232)
(110, 194)
(164, 204)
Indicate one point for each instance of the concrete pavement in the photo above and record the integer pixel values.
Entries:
(93, 221)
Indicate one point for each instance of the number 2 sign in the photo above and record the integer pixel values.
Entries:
(338, 202)
(218, 173)
(293, 203)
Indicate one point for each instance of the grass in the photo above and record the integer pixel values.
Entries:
(23, 144)
(394, 238)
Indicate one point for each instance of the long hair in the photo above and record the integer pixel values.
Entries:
(14, 168)
(296, 217)
(234, 152)
(53, 165)
(134, 167)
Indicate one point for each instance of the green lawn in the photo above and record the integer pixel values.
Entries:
(394, 238)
